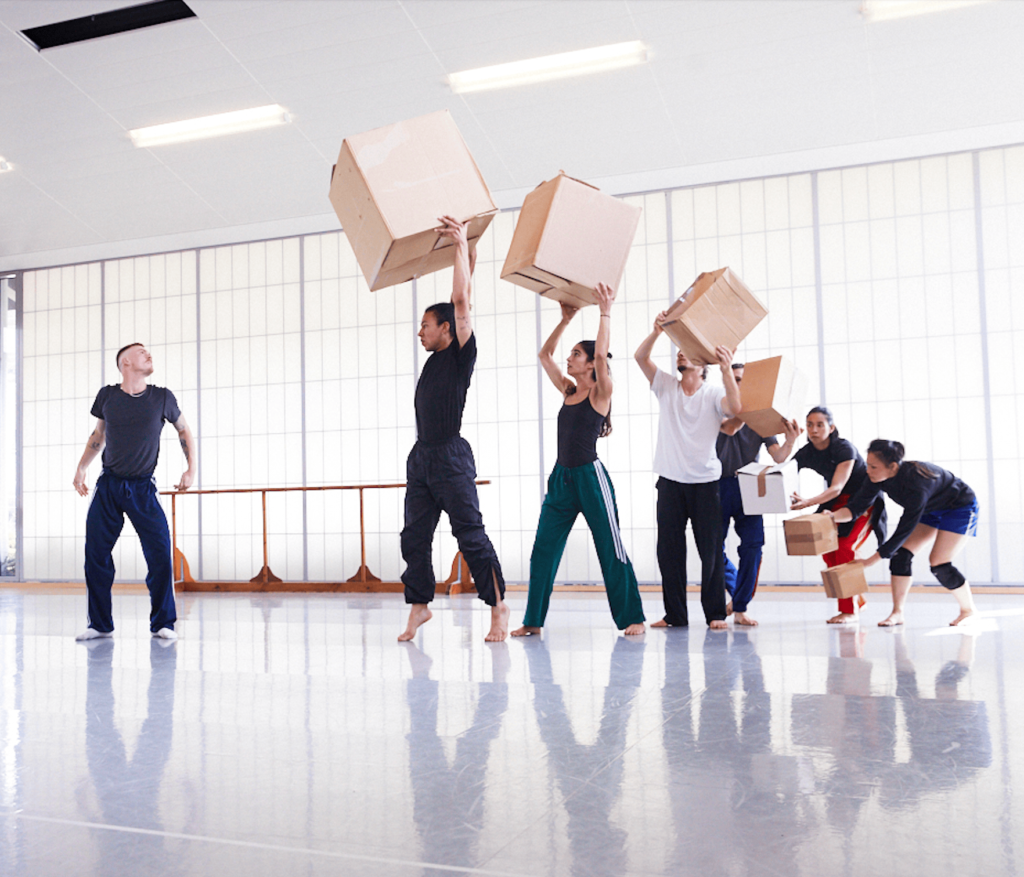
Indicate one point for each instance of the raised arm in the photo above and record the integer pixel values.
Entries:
(547, 352)
(605, 300)
(781, 453)
(93, 447)
(643, 352)
(461, 282)
(188, 447)
(731, 405)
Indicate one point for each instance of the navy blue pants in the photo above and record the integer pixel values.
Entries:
(442, 478)
(740, 583)
(112, 499)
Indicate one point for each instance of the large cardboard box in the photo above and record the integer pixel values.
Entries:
(718, 308)
(391, 184)
(845, 580)
(765, 490)
(569, 237)
(810, 535)
(772, 391)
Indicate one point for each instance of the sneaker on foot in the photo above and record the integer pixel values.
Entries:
(92, 633)
(165, 633)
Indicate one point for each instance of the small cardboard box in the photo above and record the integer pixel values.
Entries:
(391, 184)
(569, 237)
(810, 535)
(772, 391)
(717, 309)
(845, 580)
(765, 490)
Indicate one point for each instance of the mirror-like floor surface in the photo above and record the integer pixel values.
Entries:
(292, 734)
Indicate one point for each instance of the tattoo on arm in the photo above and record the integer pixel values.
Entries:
(95, 446)
(184, 448)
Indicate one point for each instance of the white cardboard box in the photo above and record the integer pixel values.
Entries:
(765, 490)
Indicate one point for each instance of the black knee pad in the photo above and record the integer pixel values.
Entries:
(949, 576)
(901, 563)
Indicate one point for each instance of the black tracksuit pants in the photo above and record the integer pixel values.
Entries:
(442, 477)
(699, 504)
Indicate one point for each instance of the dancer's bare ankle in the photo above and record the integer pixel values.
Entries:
(419, 614)
(499, 623)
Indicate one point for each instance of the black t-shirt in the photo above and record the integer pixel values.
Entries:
(918, 493)
(825, 462)
(736, 451)
(441, 391)
(133, 425)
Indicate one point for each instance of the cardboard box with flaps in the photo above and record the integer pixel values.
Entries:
(845, 580)
(773, 391)
(391, 184)
(569, 237)
(810, 535)
(765, 490)
(718, 309)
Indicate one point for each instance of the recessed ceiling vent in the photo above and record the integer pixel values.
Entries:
(105, 24)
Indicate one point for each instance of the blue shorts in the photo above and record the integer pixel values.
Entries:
(963, 520)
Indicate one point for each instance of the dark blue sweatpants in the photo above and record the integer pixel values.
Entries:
(112, 499)
(741, 584)
(443, 478)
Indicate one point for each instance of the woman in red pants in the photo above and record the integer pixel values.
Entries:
(844, 471)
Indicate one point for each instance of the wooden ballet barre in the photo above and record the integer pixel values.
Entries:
(456, 581)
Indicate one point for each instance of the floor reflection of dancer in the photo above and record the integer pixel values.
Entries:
(738, 446)
(589, 776)
(688, 468)
(441, 471)
(448, 800)
(938, 509)
(844, 471)
(129, 791)
(579, 483)
(130, 418)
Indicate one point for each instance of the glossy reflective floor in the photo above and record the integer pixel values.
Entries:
(293, 735)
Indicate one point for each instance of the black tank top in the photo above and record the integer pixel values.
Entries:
(578, 428)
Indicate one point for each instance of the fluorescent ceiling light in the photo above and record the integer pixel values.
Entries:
(550, 67)
(210, 126)
(886, 10)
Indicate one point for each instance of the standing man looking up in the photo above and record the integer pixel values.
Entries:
(738, 445)
(130, 418)
(688, 469)
(441, 471)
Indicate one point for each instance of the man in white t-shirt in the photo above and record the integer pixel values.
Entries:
(688, 467)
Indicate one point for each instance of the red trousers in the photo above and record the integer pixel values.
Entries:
(848, 546)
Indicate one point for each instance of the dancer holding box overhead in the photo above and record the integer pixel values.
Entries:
(738, 445)
(689, 469)
(843, 469)
(130, 418)
(441, 471)
(579, 483)
(938, 509)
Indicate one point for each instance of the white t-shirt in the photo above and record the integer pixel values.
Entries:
(687, 431)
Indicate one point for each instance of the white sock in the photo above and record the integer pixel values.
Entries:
(91, 633)
(165, 633)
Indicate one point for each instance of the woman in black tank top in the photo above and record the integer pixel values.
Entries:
(579, 482)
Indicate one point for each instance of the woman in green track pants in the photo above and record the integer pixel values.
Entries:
(579, 482)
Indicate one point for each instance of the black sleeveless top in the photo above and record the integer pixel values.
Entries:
(578, 428)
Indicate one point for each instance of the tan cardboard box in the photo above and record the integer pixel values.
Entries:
(845, 580)
(810, 534)
(772, 391)
(569, 237)
(391, 184)
(717, 309)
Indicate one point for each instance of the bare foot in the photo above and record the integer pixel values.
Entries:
(526, 631)
(635, 630)
(661, 622)
(499, 623)
(745, 620)
(963, 616)
(728, 609)
(894, 620)
(842, 618)
(718, 624)
(419, 614)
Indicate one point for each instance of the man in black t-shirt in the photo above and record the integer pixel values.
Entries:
(441, 471)
(738, 445)
(130, 417)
